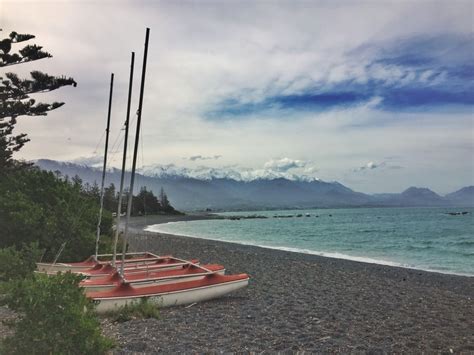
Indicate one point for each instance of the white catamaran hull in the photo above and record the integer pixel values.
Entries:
(176, 298)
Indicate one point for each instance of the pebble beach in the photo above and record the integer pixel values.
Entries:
(302, 303)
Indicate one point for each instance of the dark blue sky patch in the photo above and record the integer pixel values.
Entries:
(444, 79)
(401, 99)
(319, 101)
(314, 102)
(235, 108)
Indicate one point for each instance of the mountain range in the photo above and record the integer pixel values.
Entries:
(217, 191)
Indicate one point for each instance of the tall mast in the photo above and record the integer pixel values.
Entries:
(134, 164)
(124, 159)
(105, 165)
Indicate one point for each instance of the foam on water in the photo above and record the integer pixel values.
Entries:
(422, 239)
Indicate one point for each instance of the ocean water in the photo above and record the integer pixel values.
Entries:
(420, 238)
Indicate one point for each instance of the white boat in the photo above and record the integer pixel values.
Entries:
(153, 277)
(174, 294)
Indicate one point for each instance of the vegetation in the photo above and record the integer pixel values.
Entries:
(55, 212)
(20, 264)
(15, 94)
(55, 317)
(42, 215)
(146, 203)
(139, 310)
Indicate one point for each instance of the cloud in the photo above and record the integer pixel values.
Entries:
(200, 157)
(372, 166)
(334, 82)
(94, 160)
(273, 169)
(408, 73)
(284, 164)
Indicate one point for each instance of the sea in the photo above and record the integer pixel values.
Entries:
(431, 239)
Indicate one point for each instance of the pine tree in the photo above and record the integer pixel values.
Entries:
(164, 202)
(15, 94)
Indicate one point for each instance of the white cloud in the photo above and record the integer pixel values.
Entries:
(196, 61)
(284, 164)
(276, 169)
(200, 157)
(93, 161)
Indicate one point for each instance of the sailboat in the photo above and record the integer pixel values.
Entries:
(162, 263)
(187, 284)
(92, 262)
(162, 280)
(149, 277)
(174, 294)
(101, 259)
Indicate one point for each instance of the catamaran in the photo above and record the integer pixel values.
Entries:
(163, 263)
(94, 261)
(162, 280)
(174, 294)
(148, 277)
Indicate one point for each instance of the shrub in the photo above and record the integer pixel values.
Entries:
(20, 264)
(38, 206)
(139, 310)
(55, 317)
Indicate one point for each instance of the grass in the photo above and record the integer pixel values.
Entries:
(138, 310)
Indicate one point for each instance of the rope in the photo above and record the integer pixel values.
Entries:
(98, 143)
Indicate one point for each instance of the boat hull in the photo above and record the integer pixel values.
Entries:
(138, 268)
(171, 297)
(163, 277)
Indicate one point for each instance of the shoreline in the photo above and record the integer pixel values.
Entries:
(303, 302)
(140, 226)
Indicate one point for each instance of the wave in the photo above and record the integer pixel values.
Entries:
(157, 228)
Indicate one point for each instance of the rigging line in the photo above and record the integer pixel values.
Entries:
(119, 135)
(98, 143)
(113, 153)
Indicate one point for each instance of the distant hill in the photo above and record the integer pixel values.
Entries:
(225, 192)
(413, 196)
(462, 197)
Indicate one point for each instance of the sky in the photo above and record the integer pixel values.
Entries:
(377, 95)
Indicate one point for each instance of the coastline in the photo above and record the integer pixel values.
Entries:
(303, 302)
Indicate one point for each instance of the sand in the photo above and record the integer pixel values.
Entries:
(299, 302)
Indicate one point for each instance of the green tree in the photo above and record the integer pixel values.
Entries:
(145, 203)
(165, 203)
(110, 198)
(15, 94)
(37, 206)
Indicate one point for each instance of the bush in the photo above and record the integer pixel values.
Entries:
(140, 310)
(38, 206)
(16, 264)
(55, 317)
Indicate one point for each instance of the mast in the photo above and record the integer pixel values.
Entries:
(124, 159)
(134, 164)
(105, 165)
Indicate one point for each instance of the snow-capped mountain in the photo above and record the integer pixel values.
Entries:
(208, 173)
(230, 189)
